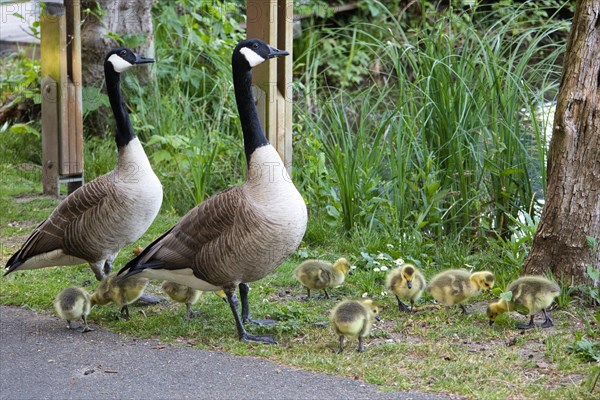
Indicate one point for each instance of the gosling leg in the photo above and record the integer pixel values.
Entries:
(307, 293)
(341, 341)
(361, 348)
(246, 309)
(190, 312)
(125, 312)
(548, 322)
(528, 326)
(464, 310)
(243, 335)
(69, 325)
(327, 296)
(86, 328)
(402, 306)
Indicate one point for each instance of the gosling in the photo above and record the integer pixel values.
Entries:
(530, 295)
(318, 274)
(184, 295)
(121, 292)
(74, 303)
(353, 318)
(407, 283)
(454, 286)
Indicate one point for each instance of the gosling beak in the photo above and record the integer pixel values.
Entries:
(350, 272)
(409, 284)
(143, 60)
(273, 52)
(377, 317)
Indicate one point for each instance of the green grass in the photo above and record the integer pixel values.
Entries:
(405, 352)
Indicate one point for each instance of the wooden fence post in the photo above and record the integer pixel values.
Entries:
(62, 126)
(272, 22)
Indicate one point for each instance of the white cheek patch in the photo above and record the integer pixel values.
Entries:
(119, 64)
(252, 58)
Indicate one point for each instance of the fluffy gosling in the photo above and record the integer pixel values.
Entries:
(184, 295)
(74, 303)
(354, 318)
(407, 283)
(454, 286)
(120, 292)
(530, 295)
(318, 274)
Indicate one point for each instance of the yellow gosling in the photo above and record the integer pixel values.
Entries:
(74, 303)
(407, 283)
(454, 286)
(182, 294)
(352, 318)
(318, 274)
(121, 292)
(530, 295)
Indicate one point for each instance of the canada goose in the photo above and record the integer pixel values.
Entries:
(454, 286)
(352, 318)
(74, 303)
(407, 283)
(243, 233)
(530, 295)
(95, 221)
(318, 274)
(122, 292)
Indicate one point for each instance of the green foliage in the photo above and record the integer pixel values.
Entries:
(586, 349)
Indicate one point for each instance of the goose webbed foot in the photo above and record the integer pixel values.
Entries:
(189, 313)
(548, 322)
(402, 306)
(242, 334)
(243, 287)
(87, 329)
(264, 339)
(530, 325)
(360, 348)
(463, 308)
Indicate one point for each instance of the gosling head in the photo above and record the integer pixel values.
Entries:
(253, 52)
(408, 273)
(494, 310)
(343, 266)
(121, 59)
(372, 307)
(484, 280)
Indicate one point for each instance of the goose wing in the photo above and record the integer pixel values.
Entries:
(74, 213)
(205, 228)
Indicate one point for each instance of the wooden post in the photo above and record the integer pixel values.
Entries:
(62, 126)
(272, 22)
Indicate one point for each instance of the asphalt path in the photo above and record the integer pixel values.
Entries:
(41, 359)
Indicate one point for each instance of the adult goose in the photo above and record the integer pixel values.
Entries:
(95, 221)
(243, 233)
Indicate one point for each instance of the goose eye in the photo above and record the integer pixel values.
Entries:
(123, 52)
(255, 45)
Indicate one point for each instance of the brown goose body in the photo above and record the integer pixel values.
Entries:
(243, 233)
(407, 283)
(94, 222)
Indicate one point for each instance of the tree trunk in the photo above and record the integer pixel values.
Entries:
(129, 19)
(572, 210)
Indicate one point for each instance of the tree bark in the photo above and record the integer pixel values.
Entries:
(572, 209)
(126, 18)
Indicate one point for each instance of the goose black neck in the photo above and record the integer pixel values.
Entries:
(125, 132)
(254, 137)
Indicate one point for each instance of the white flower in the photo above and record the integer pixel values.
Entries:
(365, 294)
(390, 246)
(381, 256)
(353, 267)
(399, 262)
(376, 263)
(376, 269)
(384, 268)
